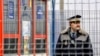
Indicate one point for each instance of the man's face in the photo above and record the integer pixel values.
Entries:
(75, 25)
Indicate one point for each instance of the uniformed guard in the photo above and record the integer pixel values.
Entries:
(74, 41)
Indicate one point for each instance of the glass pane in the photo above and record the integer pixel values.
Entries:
(40, 17)
(26, 24)
(10, 45)
(40, 46)
(10, 16)
(26, 40)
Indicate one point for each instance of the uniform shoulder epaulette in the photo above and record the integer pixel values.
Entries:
(83, 32)
(64, 31)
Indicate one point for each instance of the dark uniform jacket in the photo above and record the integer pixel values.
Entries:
(80, 46)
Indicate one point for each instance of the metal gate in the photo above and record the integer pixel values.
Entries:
(23, 27)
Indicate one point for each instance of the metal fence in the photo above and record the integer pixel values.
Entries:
(88, 9)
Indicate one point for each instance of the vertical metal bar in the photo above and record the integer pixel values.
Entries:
(62, 14)
(1, 28)
(53, 27)
(19, 28)
(30, 3)
(34, 24)
(46, 16)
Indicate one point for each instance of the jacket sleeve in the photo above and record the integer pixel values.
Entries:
(58, 48)
(88, 51)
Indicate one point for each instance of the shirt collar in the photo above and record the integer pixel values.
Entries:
(72, 33)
